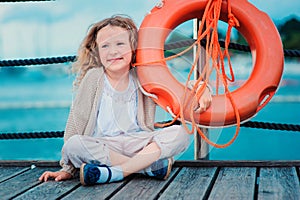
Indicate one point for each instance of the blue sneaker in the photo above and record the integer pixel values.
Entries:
(90, 174)
(161, 169)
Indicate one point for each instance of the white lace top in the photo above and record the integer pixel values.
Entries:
(117, 111)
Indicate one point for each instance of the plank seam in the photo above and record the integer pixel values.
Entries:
(17, 174)
(69, 191)
(22, 192)
(298, 173)
(128, 179)
(212, 183)
(257, 179)
(170, 180)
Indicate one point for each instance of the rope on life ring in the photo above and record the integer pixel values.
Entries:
(231, 107)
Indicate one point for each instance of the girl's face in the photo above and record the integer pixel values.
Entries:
(114, 49)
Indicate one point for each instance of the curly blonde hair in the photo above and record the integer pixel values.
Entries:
(88, 54)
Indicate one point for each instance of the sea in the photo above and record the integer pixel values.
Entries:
(38, 99)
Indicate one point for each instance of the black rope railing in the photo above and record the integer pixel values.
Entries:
(234, 46)
(32, 135)
(189, 42)
(271, 126)
(59, 134)
(37, 61)
(291, 53)
(169, 46)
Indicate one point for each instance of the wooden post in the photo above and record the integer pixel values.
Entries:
(201, 148)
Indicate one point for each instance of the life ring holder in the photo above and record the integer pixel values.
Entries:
(261, 35)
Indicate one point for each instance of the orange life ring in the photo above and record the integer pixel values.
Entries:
(261, 35)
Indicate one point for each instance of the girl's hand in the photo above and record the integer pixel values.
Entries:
(205, 99)
(57, 176)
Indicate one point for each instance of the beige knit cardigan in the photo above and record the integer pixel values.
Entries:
(83, 113)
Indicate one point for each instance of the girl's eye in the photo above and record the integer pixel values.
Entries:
(120, 43)
(104, 46)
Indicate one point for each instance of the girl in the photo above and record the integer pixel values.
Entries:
(110, 130)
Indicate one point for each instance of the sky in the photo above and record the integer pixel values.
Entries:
(56, 28)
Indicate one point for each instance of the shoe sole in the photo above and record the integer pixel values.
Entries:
(169, 168)
(82, 174)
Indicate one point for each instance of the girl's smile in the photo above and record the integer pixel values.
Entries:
(114, 59)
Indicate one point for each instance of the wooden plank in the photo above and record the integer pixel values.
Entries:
(28, 163)
(190, 183)
(278, 183)
(234, 183)
(237, 163)
(102, 191)
(21, 183)
(143, 188)
(9, 172)
(50, 190)
(178, 163)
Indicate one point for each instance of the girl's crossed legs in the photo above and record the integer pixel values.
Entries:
(131, 152)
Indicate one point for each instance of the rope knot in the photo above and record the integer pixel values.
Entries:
(233, 21)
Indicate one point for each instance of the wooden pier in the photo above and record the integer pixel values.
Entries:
(188, 180)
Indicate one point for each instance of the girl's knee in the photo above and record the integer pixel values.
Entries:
(72, 144)
(173, 140)
(181, 134)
